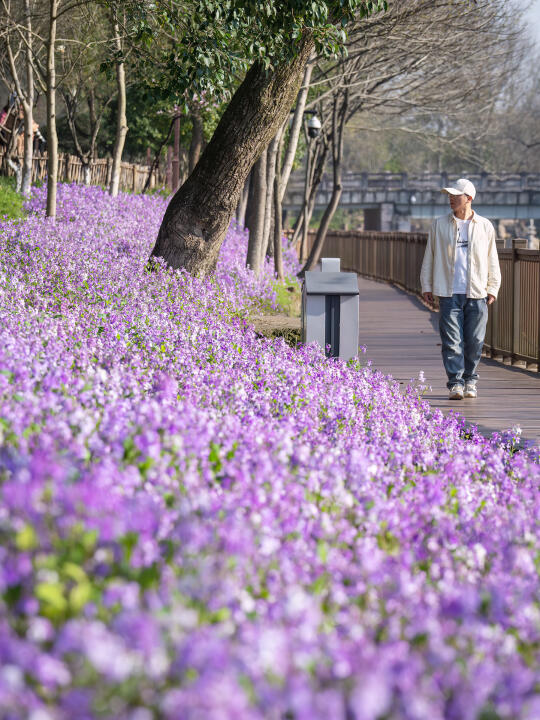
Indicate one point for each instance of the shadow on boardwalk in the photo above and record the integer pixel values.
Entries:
(402, 338)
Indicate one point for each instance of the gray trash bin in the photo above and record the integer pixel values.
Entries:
(330, 312)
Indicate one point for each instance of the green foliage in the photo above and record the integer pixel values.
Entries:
(11, 203)
(149, 113)
(211, 42)
(288, 296)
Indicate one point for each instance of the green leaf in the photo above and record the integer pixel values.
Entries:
(79, 596)
(52, 594)
(26, 539)
(388, 542)
(74, 572)
(322, 550)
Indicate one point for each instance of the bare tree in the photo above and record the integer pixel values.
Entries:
(271, 154)
(86, 92)
(339, 116)
(52, 136)
(18, 73)
(121, 121)
(420, 60)
(256, 230)
(278, 230)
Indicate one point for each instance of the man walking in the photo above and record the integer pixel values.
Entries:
(461, 267)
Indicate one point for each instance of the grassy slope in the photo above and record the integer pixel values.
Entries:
(10, 202)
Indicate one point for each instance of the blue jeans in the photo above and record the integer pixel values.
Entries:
(462, 324)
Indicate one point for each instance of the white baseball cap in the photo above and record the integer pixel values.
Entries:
(461, 187)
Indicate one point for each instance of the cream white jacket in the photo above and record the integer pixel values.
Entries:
(483, 272)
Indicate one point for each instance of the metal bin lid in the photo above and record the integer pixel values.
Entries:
(331, 283)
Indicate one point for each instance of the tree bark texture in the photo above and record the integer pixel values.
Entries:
(52, 137)
(256, 232)
(251, 206)
(241, 208)
(339, 115)
(198, 216)
(121, 121)
(197, 138)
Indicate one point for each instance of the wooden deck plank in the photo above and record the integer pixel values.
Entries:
(402, 338)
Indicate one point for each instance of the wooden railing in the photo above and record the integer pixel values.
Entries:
(513, 332)
(70, 169)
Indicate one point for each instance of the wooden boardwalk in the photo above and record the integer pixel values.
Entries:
(402, 338)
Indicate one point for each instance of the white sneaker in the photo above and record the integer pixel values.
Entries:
(456, 392)
(470, 390)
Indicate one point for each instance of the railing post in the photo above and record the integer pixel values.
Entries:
(492, 314)
(513, 307)
(538, 311)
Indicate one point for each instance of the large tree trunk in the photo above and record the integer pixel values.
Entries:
(338, 126)
(256, 231)
(198, 216)
(121, 121)
(197, 138)
(52, 137)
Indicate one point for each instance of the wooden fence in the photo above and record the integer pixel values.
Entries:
(513, 332)
(71, 170)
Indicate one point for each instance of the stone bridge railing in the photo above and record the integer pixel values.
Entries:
(389, 200)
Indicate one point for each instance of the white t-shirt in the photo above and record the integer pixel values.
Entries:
(462, 257)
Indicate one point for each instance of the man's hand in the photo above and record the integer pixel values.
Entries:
(428, 297)
(490, 299)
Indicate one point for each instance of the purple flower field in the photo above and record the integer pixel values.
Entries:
(197, 523)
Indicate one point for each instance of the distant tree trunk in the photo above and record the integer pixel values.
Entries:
(270, 172)
(251, 205)
(278, 230)
(256, 232)
(155, 162)
(87, 174)
(52, 137)
(296, 127)
(197, 138)
(26, 98)
(198, 216)
(121, 121)
(242, 203)
(28, 105)
(17, 170)
(317, 170)
(339, 115)
(71, 100)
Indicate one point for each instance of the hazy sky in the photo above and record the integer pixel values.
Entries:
(534, 19)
